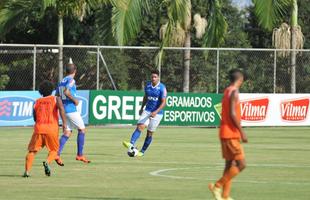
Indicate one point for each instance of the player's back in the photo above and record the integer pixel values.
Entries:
(46, 113)
(154, 96)
(67, 83)
(228, 130)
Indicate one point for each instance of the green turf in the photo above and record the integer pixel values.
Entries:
(278, 166)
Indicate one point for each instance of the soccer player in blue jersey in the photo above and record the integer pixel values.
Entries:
(67, 91)
(154, 101)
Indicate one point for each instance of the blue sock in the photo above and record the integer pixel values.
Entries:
(147, 142)
(80, 143)
(62, 142)
(135, 136)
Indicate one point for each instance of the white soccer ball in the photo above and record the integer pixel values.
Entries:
(132, 152)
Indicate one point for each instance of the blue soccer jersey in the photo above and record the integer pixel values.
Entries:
(154, 95)
(69, 83)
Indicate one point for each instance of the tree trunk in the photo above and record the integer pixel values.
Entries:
(60, 42)
(187, 58)
(294, 23)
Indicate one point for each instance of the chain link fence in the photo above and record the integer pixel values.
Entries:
(24, 67)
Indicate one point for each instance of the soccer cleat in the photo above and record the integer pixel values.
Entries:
(26, 174)
(140, 154)
(215, 191)
(59, 161)
(127, 145)
(47, 169)
(82, 158)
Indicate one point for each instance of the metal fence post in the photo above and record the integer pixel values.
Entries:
(275, 71)
(217, 69)
(34, 68)
(98, 65)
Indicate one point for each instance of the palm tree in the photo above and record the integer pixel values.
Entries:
(126, 24)
(12, 12)
(270, 13)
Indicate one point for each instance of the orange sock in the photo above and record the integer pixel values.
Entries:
(51, 156)
(29, 161)
(231, 173)
(226, 189)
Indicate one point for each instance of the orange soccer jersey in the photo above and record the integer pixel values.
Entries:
(229, 133)
(227, 128)
(46, 127)
(46, 113)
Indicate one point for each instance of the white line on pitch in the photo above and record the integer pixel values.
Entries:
(159, 174)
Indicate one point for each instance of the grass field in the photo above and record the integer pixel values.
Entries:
(178, 165)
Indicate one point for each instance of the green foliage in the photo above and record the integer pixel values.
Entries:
(126, 19)
(130, 68)
(178, 22)
(19, 76)
(271, 12)
(217, 25)
(236, 36)
(116, 62)
(103, 26)
(304, 20)
(258, 37)
(4, 78)
(17, 12)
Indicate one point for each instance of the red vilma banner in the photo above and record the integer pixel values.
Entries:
(275, 109)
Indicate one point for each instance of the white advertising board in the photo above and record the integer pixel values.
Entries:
(275, 109)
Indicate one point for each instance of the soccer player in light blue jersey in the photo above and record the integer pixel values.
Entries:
(154, 101)
(67, 91)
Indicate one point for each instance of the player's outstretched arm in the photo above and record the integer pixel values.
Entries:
(61, 112)
(232, 102)
(68, 94)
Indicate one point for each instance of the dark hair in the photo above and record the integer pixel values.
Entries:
(46, 88)
(70, 68)
(235, 74)
(155, 71)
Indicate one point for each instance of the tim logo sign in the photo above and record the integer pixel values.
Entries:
(295, 110)
(254, 109)
(16, 108)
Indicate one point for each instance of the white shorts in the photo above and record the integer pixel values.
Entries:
(151, 122)
(74, 120)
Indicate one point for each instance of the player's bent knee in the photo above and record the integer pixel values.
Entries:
(149, 133)
(82, 130)
(241, 165)
(141, 127)
(67, 133)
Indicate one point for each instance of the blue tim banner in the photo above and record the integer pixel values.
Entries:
(83, 97)
(16, 107)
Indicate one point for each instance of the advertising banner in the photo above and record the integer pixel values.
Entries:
(16, 107)
(182, 109)
(275, 109)
(83, 107)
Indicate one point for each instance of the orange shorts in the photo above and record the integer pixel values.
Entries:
(38, 141)
(232, 149)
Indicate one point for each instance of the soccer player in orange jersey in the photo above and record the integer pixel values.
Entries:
(46, 128)
(230, 134)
